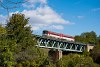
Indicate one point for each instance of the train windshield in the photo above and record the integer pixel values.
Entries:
(45, 32)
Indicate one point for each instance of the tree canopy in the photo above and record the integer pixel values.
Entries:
(17, 45)
(87, 37)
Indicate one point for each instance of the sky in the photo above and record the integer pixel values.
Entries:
(71, 17)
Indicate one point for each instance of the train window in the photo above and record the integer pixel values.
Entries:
(45, 32)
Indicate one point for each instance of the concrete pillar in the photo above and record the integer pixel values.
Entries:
(55, 54)
(58, 54)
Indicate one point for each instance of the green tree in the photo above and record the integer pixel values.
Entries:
(23, 36)
(95, 54)
(17, 26)
(98, 40)
(26, 53)
(76, 60)
(87, 37)
(7, 47)
(2, 30)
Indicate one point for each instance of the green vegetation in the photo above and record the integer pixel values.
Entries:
(91, 38)
(2, 30)
(76, 60)
(17, 48)
(87, 38)
(17, 44)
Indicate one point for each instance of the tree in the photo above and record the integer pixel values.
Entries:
(95, 54)
(7, 47)
(26, 53)
(17, 26)
(87, 37)
(2, 30)
(91, 38)
(76, 60)
(20, 32)
(98, 40)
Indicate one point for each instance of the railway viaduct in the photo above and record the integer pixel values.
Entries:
(59, 46)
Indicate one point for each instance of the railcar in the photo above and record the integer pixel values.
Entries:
(57, 35)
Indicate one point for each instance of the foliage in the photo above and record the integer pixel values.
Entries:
(75, 60)
(2, 30)
(22, 33)
(91, 38)
(7, 46)
(25, 54)
(98, 40)
(95, 54)
(17, 45)
(87, 38)
(86, 53)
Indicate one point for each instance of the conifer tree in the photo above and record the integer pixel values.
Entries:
(17, 26)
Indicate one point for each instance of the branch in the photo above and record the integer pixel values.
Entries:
(17, 2)
(9, 2)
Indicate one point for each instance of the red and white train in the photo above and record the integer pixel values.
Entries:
(58, 35)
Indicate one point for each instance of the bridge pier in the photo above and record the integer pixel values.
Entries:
(58, 54)
(55, 54)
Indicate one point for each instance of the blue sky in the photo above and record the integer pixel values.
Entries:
(71, 17)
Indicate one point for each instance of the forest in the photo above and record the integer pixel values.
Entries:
(17, 47)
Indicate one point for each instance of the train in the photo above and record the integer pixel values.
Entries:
(57, 35)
